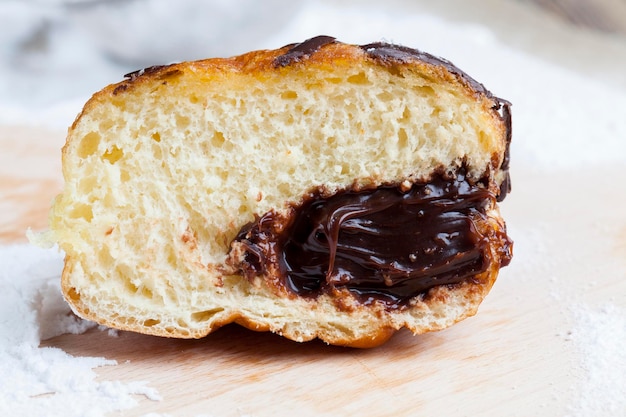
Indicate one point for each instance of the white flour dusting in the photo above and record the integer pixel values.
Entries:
(48, 382)
(599, 336)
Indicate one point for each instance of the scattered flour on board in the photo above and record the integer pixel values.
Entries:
(599, 337)
(48, 382)
(592, 333)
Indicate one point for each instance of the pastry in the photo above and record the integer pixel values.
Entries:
(320, 190)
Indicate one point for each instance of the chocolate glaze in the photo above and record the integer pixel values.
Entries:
(132, 76)
(389, 54)
(302, 50)
(382, 244)
(386, 53)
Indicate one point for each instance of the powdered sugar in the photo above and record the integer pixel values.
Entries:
(38, 381)
(599, 337)
(566, 261)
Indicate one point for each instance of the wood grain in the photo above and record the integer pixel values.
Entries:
(30, 177)
(237, 372)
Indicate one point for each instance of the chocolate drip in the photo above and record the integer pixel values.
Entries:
(508, 136)
(506, 187)
(382, 244)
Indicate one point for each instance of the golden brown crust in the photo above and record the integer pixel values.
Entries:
(261, 65)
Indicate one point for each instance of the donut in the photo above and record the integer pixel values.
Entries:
(321, 190)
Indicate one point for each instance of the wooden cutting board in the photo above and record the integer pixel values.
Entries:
(515, 358)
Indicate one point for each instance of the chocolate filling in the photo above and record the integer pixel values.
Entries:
(383, 244)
